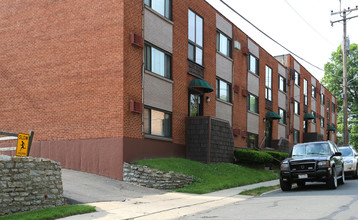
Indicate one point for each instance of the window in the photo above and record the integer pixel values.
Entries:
(163, 7)
(253, 64)
(305, 92)
(253, 103)
(313, 91)
(157, 122)
(297, 78)
(296, 108)
(296, 136)
(223, 90)
(314, 114)
(282, 113)
(328, 111)
(223, 44)
(333, 107)
(157, 61)
(322, 122)
(281, 83)
(195, 46)
(322, 99)
(252, 141)
(268, 83)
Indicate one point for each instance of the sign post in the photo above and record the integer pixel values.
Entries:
(24, 142)
(22, 145)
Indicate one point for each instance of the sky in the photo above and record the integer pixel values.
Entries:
(302, 26)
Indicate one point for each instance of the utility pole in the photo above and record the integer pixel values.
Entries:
(344, 52)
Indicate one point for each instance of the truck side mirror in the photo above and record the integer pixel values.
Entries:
(338, 154)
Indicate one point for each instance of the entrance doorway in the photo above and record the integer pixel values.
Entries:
(195, 104)
(268, 133)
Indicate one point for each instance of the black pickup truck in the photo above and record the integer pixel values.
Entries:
(312, 162)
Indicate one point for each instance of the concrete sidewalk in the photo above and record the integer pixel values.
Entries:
(167, 205)
(81, 187)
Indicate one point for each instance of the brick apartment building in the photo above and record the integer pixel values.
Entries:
(103, 82)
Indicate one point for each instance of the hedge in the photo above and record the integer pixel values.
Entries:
(252, 156)
(248, 156)
(278, 155)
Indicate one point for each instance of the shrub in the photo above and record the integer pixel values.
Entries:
(279, 156)
(252, 156)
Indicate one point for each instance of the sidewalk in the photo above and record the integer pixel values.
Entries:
(170, 205)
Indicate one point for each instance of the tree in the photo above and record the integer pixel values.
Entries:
(333, 81)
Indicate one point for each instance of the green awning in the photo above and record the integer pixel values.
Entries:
(331, 128)
(272, 115)
(200, 85)
(308, 116)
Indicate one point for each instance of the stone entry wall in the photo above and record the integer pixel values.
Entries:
(28, 184)
(209, 140)
(282, 145)
(309, 137)
(153, 178)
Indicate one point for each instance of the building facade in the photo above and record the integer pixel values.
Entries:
(107, 82)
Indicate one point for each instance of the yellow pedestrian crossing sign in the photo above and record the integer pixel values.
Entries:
(22, 145)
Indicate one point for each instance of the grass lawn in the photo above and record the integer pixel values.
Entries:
(210, 177)
(51, 213)
(259, 191)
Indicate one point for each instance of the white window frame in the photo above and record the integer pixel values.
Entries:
(195, 40)
(268, 83)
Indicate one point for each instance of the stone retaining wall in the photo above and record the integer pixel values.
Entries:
(154, 178)
(28, 184)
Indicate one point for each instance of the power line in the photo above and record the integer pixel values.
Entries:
(299, 15)
(269, 36)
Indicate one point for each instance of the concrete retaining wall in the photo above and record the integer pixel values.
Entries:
(28, 184)
(153, 178)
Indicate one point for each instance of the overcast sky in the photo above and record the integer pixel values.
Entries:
(302, 26)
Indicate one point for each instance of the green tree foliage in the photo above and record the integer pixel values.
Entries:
(333, 81)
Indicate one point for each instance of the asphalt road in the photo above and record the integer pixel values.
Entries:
(313, 201)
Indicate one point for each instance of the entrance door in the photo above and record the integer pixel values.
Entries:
(268, 132)
(195, 105)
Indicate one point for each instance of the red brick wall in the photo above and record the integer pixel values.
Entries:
(61, 67)
(289, 60)
(68, 70)
(305, 75)
(240, 80)
(181, 77)
(267, 60)
(133, 59)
